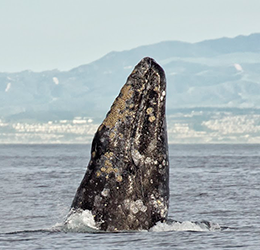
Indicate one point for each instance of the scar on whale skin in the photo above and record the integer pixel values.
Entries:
(126, 185)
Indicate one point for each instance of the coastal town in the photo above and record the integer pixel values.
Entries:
(193, 127)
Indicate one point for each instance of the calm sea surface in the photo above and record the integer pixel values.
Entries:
(217, 183)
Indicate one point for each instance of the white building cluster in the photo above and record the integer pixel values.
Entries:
(182, 128)
(78, 130)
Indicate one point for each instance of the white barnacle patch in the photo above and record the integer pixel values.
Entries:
(143, 209)
(163, 213)
(133, 208)
(127, 204)
(137, 206)
(136, 156)
(97, 201)
(140, 205)
(148, 160)
(162, 171)
(163, 95)
(105, 192)
(130, 186)
(153, 201)
(159, 205)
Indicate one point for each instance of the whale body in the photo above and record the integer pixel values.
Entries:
(126, 185)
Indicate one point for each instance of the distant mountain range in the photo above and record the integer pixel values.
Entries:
(222, 73)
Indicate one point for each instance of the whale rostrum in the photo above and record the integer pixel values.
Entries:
(126, 185)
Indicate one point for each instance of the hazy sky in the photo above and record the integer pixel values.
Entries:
(63, 34)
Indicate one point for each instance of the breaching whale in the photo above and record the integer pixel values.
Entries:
(126, 185)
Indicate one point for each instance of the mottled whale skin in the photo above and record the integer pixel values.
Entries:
(126, 185)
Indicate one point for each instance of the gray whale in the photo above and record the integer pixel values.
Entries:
(126, 185)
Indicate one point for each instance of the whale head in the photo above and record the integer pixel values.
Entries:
(126, 185)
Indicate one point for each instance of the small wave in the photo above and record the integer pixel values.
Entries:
(202, 226)
(82, 221)
(28, 231)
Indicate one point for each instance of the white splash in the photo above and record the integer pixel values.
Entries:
(82, 221)
(185, 226)
(79, 221)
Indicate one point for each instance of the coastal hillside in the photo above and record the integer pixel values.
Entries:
(213, 93)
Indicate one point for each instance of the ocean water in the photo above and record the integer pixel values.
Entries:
(219, 184)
